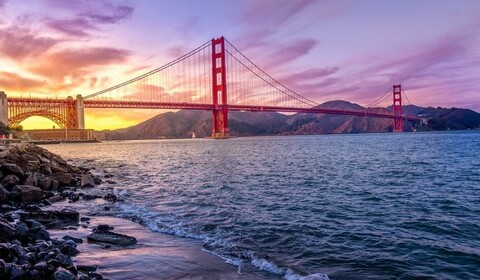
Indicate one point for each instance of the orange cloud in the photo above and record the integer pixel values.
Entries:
(14, 82)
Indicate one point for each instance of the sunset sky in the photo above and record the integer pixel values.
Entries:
(325, 50)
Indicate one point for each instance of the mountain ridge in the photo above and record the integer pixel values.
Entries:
(184, 123)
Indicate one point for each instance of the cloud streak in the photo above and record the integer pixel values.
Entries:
(74, 27)
(90, 18)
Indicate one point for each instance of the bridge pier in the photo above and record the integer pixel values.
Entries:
(80, 112)
(3, 108)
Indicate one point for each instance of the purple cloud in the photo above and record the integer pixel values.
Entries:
(290, 52)
(88, 16)
(74, 27)
(273, 12)
(309, 75)
(19, 43)
(2, 3)
(113, 14)
(264, 18)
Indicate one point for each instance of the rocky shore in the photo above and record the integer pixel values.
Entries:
(31, 179)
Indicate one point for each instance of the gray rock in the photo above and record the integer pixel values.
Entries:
(63, 274)
(45, 168)
(13, 169)
(95, 276)
(71, 243)
(87, 268)
(28, 194)
(21, 228)
(69, 250)
(18, 250)
(65, 216)
(44, 183)
(55, 185)
(31, 158)
(40, 266)
(17, 272)
(10, 181)
(38, 233)
(112, 238)
(63, 260)
(87, 181)
(76, 240)
(3, 194)
(7, 231)
(30, 180)
(63, 178)
(56, 198)
(32, 223)
(57, 169)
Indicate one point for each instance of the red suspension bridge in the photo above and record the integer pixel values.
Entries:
(215, 76)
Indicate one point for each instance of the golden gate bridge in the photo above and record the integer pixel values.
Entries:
(216, 76)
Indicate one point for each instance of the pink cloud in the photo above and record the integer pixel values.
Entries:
(19, 43)
(76, 65)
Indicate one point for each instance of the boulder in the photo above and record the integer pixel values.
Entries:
(63, 178)
(17, 272)
(87, 181)
(30, 180)
(74, 239)
(44, 183)
(12, 168)
(107, 236)
(7, 231)
(10, 181)
(27, 193)
(63, 274)
(38, 233)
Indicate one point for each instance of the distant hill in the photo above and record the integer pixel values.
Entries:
(184, 123)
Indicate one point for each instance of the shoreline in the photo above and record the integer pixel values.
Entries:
(155, 256)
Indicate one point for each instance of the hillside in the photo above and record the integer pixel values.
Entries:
(183, 124)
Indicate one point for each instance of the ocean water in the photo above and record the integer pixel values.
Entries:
(364, 206)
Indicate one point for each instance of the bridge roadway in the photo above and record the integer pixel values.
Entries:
(248, 108)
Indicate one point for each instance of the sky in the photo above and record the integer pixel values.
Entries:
(324, 50)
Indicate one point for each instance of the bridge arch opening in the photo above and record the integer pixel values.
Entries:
(37, 120)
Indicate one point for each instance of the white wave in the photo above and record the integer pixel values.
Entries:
(288, 274)
(178, 230)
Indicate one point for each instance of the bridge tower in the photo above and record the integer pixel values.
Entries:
(80, 112)
(397, 108)
(3, 108)
(219, 90)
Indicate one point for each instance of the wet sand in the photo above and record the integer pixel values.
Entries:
(155, 256)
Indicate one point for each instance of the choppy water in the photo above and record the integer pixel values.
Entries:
(369, 206)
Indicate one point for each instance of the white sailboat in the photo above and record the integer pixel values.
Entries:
(193, 135)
